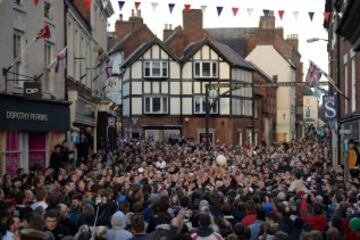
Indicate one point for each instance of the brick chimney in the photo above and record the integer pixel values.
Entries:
(167, 31)
(124, 27)
(267, 22)
(193, 20)
(280, 31)
(293, 40)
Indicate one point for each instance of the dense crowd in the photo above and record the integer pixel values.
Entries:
(159, 191)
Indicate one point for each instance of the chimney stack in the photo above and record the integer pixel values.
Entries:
(293, 40)
(121, 17)
(193, 21)
(139, 13)
(267, 22)
(132, 13)
(167, 31)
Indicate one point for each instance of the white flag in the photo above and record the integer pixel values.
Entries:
(59, 62)
(154, 6)
(249, 11)
(203, 8)
(296, 14)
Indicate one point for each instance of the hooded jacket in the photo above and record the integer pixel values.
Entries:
(206, 233)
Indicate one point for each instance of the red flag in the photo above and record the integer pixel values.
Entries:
(187, 7)
(281, 14)
(235, 10)
(44, 33)
(87, 4)
(36, 2)
(327, 16)
(137, 5)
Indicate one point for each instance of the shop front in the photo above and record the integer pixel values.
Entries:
(29, 129)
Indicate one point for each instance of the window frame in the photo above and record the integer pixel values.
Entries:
(164, 108)
(49, 16)
(201, 63)
(17, 52)
(149, 64)
(202, 106)
(48, 75)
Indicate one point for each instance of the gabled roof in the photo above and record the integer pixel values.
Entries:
(261, 72)
(233, 37)
(135, 55)
(223, 50)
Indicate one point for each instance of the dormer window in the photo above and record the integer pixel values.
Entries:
(205, 69)
(156, 69)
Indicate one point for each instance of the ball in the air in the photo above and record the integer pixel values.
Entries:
(221, 160)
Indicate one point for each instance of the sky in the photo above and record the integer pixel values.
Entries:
(303, 27)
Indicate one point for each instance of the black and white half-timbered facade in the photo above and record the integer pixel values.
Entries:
(164, 97)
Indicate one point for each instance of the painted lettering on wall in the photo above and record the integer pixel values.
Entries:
(26, 116)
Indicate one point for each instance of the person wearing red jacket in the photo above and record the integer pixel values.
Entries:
(317, 221)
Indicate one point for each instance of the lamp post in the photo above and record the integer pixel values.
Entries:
(335, 130)
(213, 95)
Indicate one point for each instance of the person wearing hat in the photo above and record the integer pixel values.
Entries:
(118, 223)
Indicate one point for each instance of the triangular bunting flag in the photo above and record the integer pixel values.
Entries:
(219, 10)
(235, 10)
(296, 14)
(171, 7)
(137, 5)
(311, 15)
(327, 16)
(266, 12)
(154, 6)
(249, 11)
(187, 7)
(203, 8)
(36, 2)
(87, 4)
(121, 4)
(281, 14)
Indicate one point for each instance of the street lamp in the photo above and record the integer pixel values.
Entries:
(213, 94)
(312, 40)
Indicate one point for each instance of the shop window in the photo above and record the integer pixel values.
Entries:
(37, 149)
(12, 152)
(202, 137)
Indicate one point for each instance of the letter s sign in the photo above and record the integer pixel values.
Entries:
(330, 107)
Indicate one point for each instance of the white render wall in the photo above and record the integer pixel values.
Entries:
(29, 20)
(285, 96)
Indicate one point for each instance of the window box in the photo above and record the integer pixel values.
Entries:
(156, 69)
(156, 105)
(200, 105)
(205, 69)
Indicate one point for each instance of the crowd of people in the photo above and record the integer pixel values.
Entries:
(159, 191)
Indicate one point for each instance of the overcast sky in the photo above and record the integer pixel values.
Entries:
(302, 26)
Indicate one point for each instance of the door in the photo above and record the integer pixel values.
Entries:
(37, 149)
(13, 153)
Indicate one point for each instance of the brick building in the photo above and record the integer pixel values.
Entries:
(244, 40)
(344, 67)
(171, 102)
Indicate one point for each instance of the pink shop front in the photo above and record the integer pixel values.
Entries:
(28, 132)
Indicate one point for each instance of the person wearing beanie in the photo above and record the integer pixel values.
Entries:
(118, 223)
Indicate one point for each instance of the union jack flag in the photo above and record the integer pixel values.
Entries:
(313, 76)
